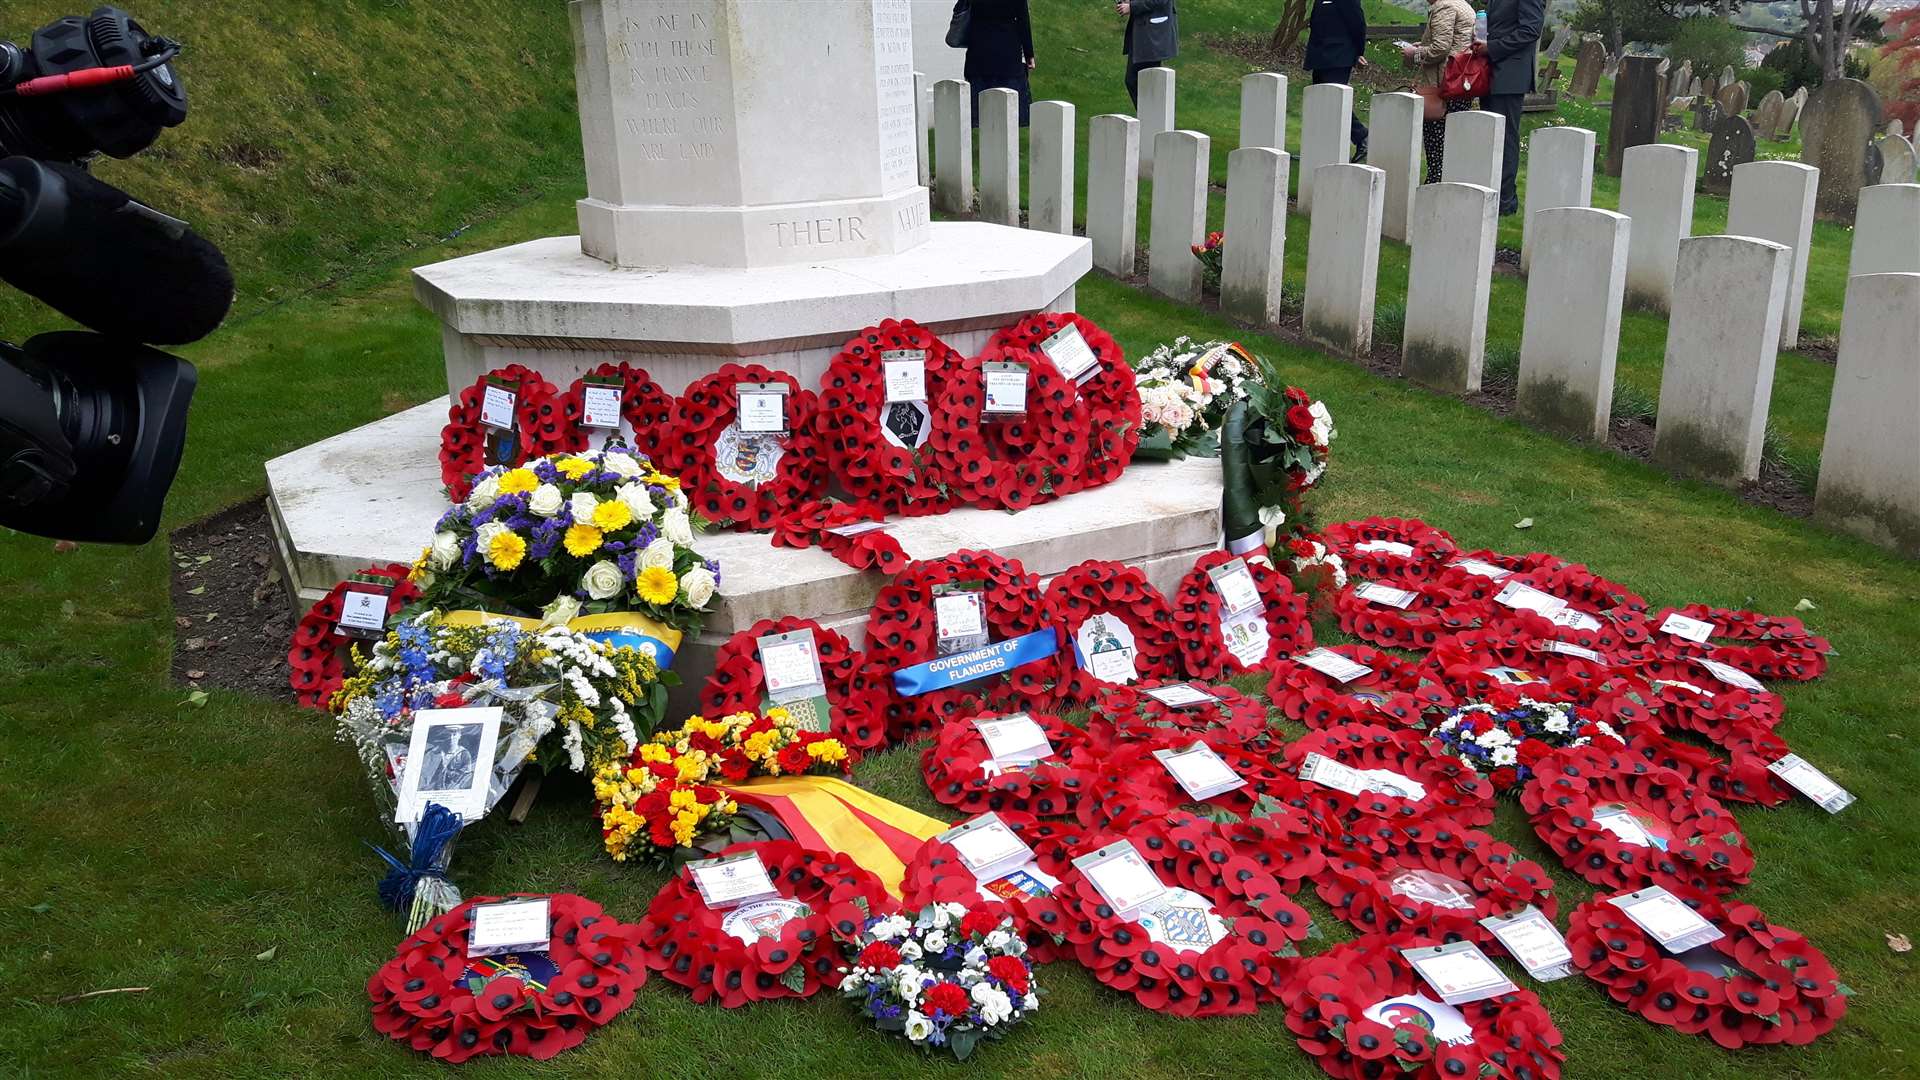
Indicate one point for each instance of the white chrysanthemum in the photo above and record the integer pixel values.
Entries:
(1505, 755)
(995, 1007)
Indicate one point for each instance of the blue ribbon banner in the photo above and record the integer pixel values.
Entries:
(961, 668)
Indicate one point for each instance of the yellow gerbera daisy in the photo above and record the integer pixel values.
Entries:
(582, 540)
(658, 585)
(573, 468)
(506, 550)
(612, 514)
(515, 481)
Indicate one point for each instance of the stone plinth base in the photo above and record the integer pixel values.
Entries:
(372, 495)
(548, 306)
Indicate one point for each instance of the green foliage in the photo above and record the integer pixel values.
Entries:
(1796, 65)
(1710, 43)
(1633, 20)
(1760, 80)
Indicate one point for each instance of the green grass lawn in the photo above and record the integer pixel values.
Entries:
(214, 855)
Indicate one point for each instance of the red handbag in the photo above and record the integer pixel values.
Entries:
(1467, 75)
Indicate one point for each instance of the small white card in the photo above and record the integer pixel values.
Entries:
(1385, 547)
(1620, 821)
(1006, 390)
(986, 843)
(1731, 675)
(735, 879)
(959, 615)
(510, 926)
(1385, 595)
(1673, 924)
(1333, 665)
(1014, 741)
(790, 664)
(496, 408)
(1180, 696)
(1534, 941)
(906, 372)
(1484, 569)
(857, 528)
(1069, 351)
(1568, 648)
(1233, 580)
(1337, 775)
(1523, 597)
(363, 610)
(1807, 779)
(1199, 771)
(1460, 973)
(1114, 666)
(1121, 877)
(600, 407)
(1247, 637)
(1575, 618)
(1681, 626)
(763, 408)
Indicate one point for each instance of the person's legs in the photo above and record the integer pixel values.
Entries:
(1508, 106)
(1433, 140)
(1133, 79)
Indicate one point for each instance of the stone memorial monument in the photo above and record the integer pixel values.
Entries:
(1837, 129)
(1639, 101)
(1587, 67)
(1766, 118)
(1732, 146)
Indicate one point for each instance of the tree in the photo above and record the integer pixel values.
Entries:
(1709, 43)
(1902, 50)
(1293, 21)
(1831, 26)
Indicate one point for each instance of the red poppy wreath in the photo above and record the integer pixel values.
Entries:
(1199, 614)
(539, 427)
(1219, 942)
(1620, 822)
(644, 407)
(961, 773)
(316, 663)
(1128, 784)
(1759, 984)
(749, 478)
(536, 1003)
(1479, 575)
(1393, 692)
(778, 947)
(923, 689)
(1701, 702)
(1740, 775)
(1021, 459)
(1436, 880)
(876, 445)
(1412, 615)
(1522, 652)
(834, 528)
(1394, 550)
(1107, 387)
(1091, 599)
(1123, 714)
(1770, 646)
(1407, 778)
(936, 875)
(738, 682)
(1362, 1011)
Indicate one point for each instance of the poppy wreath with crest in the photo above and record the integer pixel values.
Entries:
(1017, 462)
(959, 772)
(902, 632)
(1360, 885)
(1110, 588)
(1435, 612)
(539, 423)
(853, 401)
(1196, 619)
(1122, 714)
(1112, 399)
(709, 406)
(316, 662)
(1328, 996)
(1382, 560)
(1394, 693)
(1623, 632)
(1451, 789)
(1765, 646)
(1774, 987)
(1232, 976)
(686, 942)
(936, 875)
(643, 405)
(1705, 848)
(433, 998)
(738, 682)
(811, 525)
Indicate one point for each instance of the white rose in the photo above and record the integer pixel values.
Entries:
(582, 505)
(936, 940)
(483, 494)
(483, 536)
(562, 610)
(918, 1026)
(1323, 432)
(675, 527)
(994, 1004)
(545, 501)
(659, 553)
(999, 940)
(910, 950)
(637, 500)
(1177, 416)
(620, 463)
(446, 551)
(697, 586)
(603, 580)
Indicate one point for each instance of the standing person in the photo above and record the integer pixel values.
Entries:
(1449, 30)
(1336, 44)
(1000, 52)
(1513, 39)
(1152, 38)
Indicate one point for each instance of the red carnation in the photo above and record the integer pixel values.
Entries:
(1010, 970)
(947, 998)
(1300, 419)
(1298, 396)
(1533, 750)
(735, 767)
(880, 954)
(795, 759)
(450, 701)
(978, 923)
(1505, 777)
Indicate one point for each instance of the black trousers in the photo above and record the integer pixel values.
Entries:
(1358, 132)
(1508, 105)
(1134, 68)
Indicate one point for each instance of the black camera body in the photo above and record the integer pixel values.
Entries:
(119, 118)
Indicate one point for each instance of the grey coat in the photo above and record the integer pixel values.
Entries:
(1153, 31)
(1513, 43)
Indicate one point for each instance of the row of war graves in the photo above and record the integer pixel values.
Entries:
(1732, 301)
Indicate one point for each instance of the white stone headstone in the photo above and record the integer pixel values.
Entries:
(953, 146)
(1156, 111)
(1326, 117)
(1343, 256)
(923, 140)
(1476, 146)
(1722, 341)
(1559, 173)
(1774, 200)
(1179, 212)
(1898, 162)
(1393, 147)
(1656, 191)
(1886, 233)
(1570, 341)
(1263, 110)
(1870, 458)
(1449, 281)
(1050, 173)
(1000, 156)
(1113, 191)
(1256, 234)
(671, 123)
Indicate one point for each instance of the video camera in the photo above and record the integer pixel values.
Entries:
(92, 425)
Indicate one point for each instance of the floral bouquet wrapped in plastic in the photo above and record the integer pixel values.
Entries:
(1186, 389)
